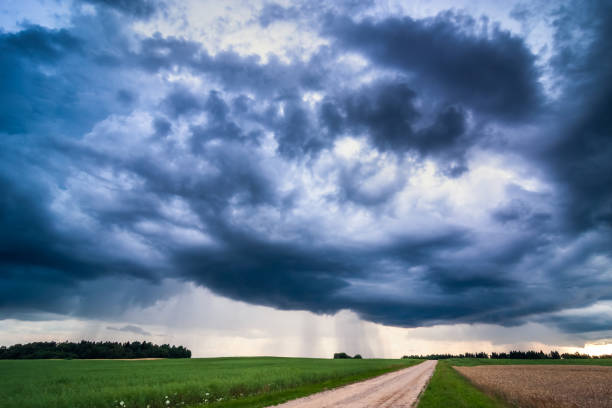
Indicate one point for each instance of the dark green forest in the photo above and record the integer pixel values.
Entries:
(513, 355)
(90, 349)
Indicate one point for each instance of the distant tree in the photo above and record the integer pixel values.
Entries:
(341, 356)
(358, 356)
(576, 355)
(88, 349)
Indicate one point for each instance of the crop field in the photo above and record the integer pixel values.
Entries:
(547, 386)
(218, 382)
(448, 388)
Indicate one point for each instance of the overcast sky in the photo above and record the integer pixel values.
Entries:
(299, 178)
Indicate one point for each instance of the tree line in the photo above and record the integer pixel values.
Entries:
(90, 349)
(344, 356)
(446, 356)
(514, 354)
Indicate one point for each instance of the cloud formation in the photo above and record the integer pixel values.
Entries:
(414, 171)
(135, 8)
(468, 62)
(130, 328)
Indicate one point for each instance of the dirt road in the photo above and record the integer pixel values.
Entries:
(398, 390)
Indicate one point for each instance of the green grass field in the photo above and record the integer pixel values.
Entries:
(448, 388)
(220, 382)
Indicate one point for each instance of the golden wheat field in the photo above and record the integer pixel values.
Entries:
(545, 385)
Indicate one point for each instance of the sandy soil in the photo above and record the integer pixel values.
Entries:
(399, 389)
(554, 386)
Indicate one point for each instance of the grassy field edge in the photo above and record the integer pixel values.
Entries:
(448, 388)
(175, 383)
(279, 397)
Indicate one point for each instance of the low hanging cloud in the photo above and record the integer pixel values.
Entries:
(389, 173)
(130, 329)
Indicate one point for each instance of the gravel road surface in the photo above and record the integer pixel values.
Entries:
(399, 389)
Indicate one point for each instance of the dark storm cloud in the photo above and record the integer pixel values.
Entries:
(577, 155)
(135, 8)
(583, 167)
(110, 201)
(594, 322)
(235, 72)
(45, 269)
(220, 125)
(488, 69)
(296, 135)
(162, 127)
(40, 44)
(513, 211)
(181, 102)
(388, 114)
(46, 100)
(290, 276)
(271, 274)
(25, 89)
(47, 76)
